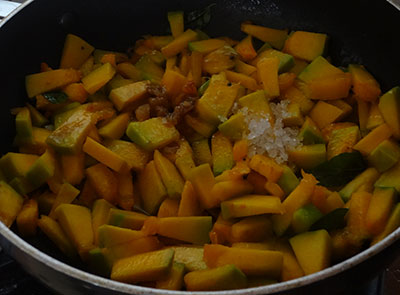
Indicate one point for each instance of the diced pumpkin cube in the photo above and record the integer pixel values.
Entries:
(245, 49)
(374, 117)
(174, 280)
(110, 235)
(244, 68)
(23, 126)
(203, 128)
(385, 155)
(103, 181)
(75, 52)
(180, 43)
(193, 229)
(266, 167)
(286, 61)
(389, 105)
(152, 134)
(134, 247)
(51, 80)
(367, 144)
(100, 211)
(37, 118)
(184, 159)
(342, 141)
(104, 155)
(10, 204)
(76, 221)
(320, 68)
(313, 250)
(217, 100)
(288, 180)
(88, 195)
(128, 71)
(203, 181)
(219, 60)
(250, 205)
(151, 187)
(365, 87)
(206, 46)
(274, 37)
(55, 233)
(268, 75)
(380, 207)
(225, 277)
(115, 129)
(149, 70)
(173, 83)
(66, 195)
(324, 114)
(150, 266)
(304, 217)
(328, 88)
(294, 94)
(129, 95)
(73, 168)
(305, 45)
(234, 127)
(42, 169)
(175, 19)
(242, 79)
(126, 219)
(98, 78)
(290, 268)
(76, 92)
(202, 152)
(135, 156)
(168, 208)
(251, 229)
(228, 189)
(250, 261)
(170, 176)
(300, 196)
(357, 214)
(99, 261)
(221, 149)
(16, 164)
(189, 204)
(126, 193)
(392, 224)
(369, 176)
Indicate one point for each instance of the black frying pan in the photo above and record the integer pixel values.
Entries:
(363, 32)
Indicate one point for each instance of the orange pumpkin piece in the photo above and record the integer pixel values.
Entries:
(266, 167)
(173, 83)
(73, 168)
(268, 75)
(324, 114)
(242, 79)
(365, 87)
(66, 195)
(367, 144)
(273, 36)
(203, 181)
(76, 92)
(98, 78)
(189, 204)
(115, 129)
(75, 52)
(245, 49)
(179, 44)
(125, 197)
(168, 208)
(103, 181)
(357, 214)
(27, 218)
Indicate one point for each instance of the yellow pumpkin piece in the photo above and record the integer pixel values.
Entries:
(110, 235)
(299, 197)
(268, 75)
(251, 229)
(103, 181)
(266, 167)
(240, 150)
(332, 202)
(126, 198)
(219, 60)
(151, 187)
(173, 83)
(274, 189)
(228, 189)
(225, 277)
(389, 106)
(87, 66)
(324, 114)
(16, 164)
(39, 146)
(109, 58)
(27, 218)
(76, 92)
(73, 168)
(189, 204)
(367, 144)
(75, 52)
(150, 266)
(274, 37)
(250, 261)
(196, 64)
(191, 229)
(242, 79)
(241, 169)
(365, 87)
(170, 176)
(55, 233)
(168, 208)
(380, 207)
(305, 45)
(250, 205)
(217, 100)
(221, 232)
(170, 63)
(295, 95)
(179, 44)
(308, 156)
(134, 247)
(245, 49)
(290, 268)
(203, 128)
(41, 170)
(257, 103)
(342, 141)
(126, 219)
(392, 224)
(244, 68)
(51, 80)
(76, 222)
(135, 156)
(100, 212)
(129, 71)
(45, 201)
(285, 81)
(202, 179)
(206, 46)
(294, 116)
(221, 150)
(374, 117)
(98, 78)
(363, 114)
(174, 279)
(105, 155)
(130, 95)
(357, 214)
(313, 250)
(332, 87)
(175, 19)
(184, 159)
(269, 244)
(88, 195)
(258, 181)
(184, 63)
(299, 66)
(115, 129)
(66, 195)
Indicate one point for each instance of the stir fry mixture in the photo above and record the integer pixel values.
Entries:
(199, 163)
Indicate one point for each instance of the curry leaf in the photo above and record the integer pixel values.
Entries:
(55, 97)
(340, 169)
(199, 18)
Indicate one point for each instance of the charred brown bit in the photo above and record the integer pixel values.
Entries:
(182, 109)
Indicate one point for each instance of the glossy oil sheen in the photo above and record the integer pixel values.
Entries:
(363, 32)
